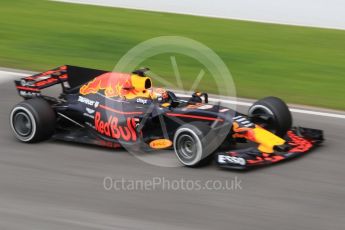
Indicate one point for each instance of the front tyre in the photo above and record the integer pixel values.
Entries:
(33, 120)
(191, 145)
(273, 114)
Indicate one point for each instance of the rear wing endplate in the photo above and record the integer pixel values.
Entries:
(68, 76)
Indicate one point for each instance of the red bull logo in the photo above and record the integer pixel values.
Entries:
(112, 129)
(118, 85)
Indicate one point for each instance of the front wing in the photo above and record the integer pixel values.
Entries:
(299, 141)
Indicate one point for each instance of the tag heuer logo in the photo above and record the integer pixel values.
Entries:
(96, 104)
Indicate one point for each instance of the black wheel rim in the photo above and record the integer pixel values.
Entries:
(22, 124)
(264, 119)
(186, 146)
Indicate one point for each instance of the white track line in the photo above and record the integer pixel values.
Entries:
(14, 73)
(316, 113)
(294, 110)
(11, 75)
(8, 75)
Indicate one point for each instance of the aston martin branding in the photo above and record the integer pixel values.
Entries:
(90, 111)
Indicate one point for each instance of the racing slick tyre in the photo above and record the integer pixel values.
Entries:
(193, 144)
(272, 114)
(33, 120)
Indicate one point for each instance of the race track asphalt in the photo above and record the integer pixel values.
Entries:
(55, 185)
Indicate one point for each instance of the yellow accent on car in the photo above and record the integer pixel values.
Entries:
(166, 104)
(141, 86)
(266, 140)
(140, 83)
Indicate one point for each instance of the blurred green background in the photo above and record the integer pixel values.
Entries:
(301, 65)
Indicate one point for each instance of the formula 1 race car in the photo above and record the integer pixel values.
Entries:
(123, 110)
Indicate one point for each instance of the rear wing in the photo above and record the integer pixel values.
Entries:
(69, 77)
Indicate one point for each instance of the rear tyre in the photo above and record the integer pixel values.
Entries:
(272, 114)
(192, 144)
(33, 120)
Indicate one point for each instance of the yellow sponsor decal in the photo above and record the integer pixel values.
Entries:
(160, 144)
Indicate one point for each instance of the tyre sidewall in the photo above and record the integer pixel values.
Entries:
(278, 110)
(192, 131)
(42, 117)
(206, 141)
(22, 108)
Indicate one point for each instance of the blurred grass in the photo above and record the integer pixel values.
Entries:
(300, 65)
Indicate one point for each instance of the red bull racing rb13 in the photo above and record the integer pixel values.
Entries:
(124, 110)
